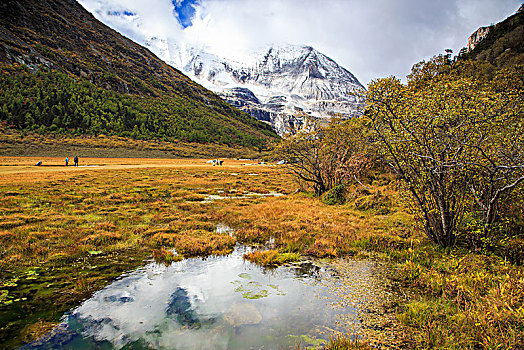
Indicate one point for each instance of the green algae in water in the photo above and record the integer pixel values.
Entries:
(32, 273)
(255, 295)
(96, 252)
(240, 287)
(279, 291)
(40, 300)
(250, 290)
(256, 290)
(4, 297)
(317, 343)
(244, 275)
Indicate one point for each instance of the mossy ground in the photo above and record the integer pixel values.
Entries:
(66, 232)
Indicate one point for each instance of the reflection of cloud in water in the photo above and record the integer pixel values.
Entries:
(214, 303)
(138, 304)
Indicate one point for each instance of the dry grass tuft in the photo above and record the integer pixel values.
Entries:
(346, 343)
(102, 238)
(270, 258)
(166, 257)
(34, 331)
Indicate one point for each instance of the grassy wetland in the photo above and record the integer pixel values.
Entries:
(68, 232)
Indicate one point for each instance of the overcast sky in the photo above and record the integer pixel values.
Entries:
(370, 38)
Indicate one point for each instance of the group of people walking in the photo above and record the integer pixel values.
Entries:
(74, 159)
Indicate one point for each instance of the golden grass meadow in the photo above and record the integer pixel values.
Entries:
(66, 232)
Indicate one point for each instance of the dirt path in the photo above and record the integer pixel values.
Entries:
(53, 166)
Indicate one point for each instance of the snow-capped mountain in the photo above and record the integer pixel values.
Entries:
(285, 85)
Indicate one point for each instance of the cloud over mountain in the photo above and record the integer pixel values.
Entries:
(373, 38)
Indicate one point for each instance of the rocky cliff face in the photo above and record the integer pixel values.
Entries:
(477, 37)
(284, 85)
(500, 44)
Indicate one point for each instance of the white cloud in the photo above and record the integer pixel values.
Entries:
(147, 20)
(372, 38)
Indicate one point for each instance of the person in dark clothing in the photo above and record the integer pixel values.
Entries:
(76, 160)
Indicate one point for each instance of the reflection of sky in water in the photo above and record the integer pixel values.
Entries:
(214, 303)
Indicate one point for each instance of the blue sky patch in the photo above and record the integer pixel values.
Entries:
(184, 11)
(124, 13)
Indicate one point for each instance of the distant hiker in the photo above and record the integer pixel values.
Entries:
(39, 163)
(76, 160)
(67, 161)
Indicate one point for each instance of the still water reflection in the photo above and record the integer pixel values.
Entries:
(214, 303)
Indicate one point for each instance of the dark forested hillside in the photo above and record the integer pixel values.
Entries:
(62, 70)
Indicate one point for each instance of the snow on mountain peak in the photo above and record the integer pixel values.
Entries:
(290, 83)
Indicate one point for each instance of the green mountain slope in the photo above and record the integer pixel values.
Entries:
(62, 70)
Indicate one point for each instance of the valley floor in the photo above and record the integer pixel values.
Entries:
(24, 166)
(66, 232)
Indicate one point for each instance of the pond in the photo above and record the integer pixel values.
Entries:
(221, 303)
(213, 197)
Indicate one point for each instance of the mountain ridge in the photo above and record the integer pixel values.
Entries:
(60, 35)
(291, 82)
